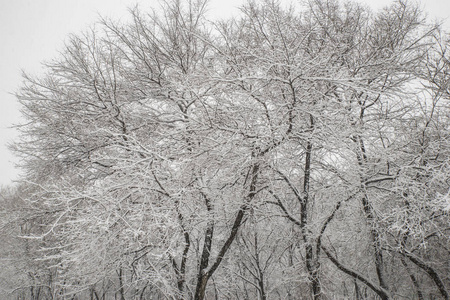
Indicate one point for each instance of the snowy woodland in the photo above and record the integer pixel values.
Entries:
(287, 153)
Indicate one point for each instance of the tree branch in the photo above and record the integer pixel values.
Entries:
(377, 289)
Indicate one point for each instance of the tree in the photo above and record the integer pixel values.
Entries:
(171, 157)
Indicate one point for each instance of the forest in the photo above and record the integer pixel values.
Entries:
(289, 152)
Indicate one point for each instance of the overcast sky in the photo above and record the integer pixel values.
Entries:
(32, 31)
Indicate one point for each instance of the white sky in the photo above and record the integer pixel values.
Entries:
(32, 31)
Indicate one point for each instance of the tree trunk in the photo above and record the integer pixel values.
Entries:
(201, 287)
(312, 263)
(369, 213)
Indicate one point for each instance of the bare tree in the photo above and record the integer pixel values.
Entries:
(264, 156)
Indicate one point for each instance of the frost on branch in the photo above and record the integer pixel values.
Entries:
(286, 153)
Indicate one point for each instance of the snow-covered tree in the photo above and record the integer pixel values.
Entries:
(287, 153)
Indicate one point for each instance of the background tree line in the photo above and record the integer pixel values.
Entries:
(287, 153)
